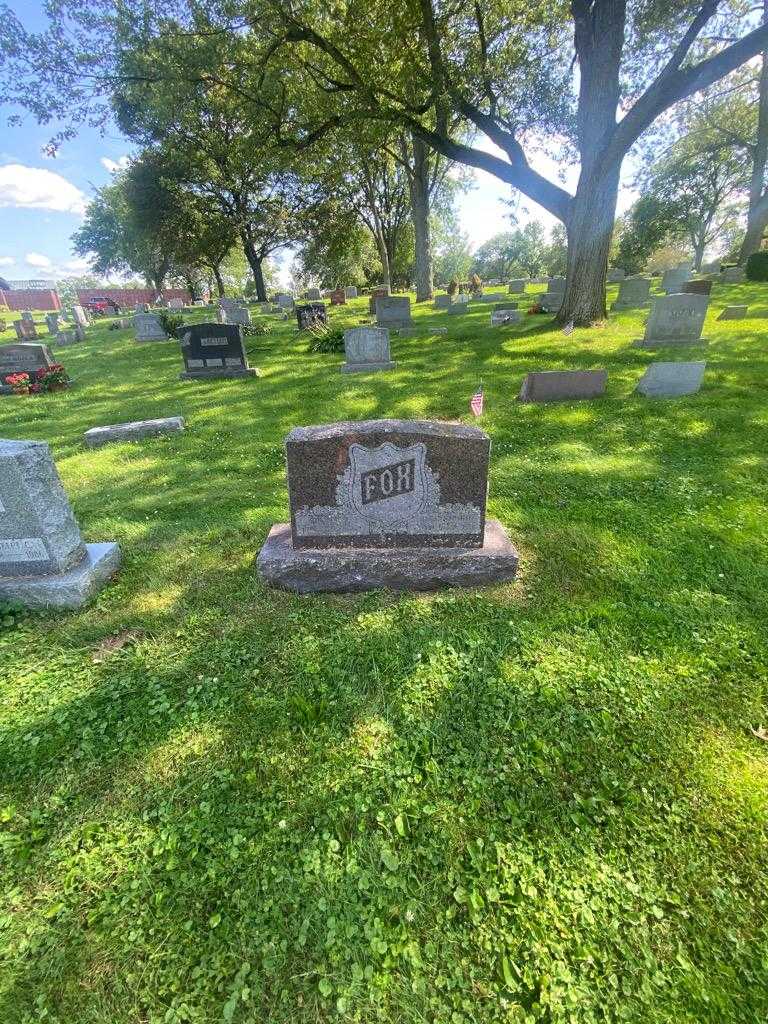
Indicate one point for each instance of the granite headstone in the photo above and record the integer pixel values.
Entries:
(675, 319)
(214, 350)
(393, 311)
(733, 313)
(43, 560)
(366, 350)
(387, 503)
(671, 380)
(563, 385)
(148, 327)
(634, 292)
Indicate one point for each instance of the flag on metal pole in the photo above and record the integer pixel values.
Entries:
(568, 329)
(476, 403)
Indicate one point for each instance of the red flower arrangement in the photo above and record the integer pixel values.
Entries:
(536, 308)
(47, 378)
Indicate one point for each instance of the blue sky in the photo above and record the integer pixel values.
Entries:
(42, 199)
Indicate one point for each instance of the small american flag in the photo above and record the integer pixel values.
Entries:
(568, 329)
(476, 403)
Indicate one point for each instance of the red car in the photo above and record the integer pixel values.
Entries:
(102, 306)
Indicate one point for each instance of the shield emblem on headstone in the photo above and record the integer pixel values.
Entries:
(388, 483)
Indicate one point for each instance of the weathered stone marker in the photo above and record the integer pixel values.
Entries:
(366, 350)
(562, 385)
(516, 286)
(552, 299)
(502, 317)
(350, 292)
(79, 316)
(492, 297)
(43, 560)
(633, 293)
(393, 311)
(175, 304)
(25, 358)
(338, 297)
(311, 314)
(214, 350)
(25, 330)
(733, 275)
(675, 320)
(52, 322)
(235, 314)
(673, 280)
(136, 431)
(387, 503)
(443, 301)
(148, 327)
(733, 313)
(616, 275)
(671, 380)
(313, 294)
(284, 300)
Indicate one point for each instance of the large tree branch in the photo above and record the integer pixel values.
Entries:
(672, 86)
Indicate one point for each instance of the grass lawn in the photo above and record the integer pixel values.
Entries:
(537, 802)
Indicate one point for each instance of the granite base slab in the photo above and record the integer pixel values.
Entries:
(71, 589)
(224, 372)
(366, 367)
(348, 570)
(670, 342)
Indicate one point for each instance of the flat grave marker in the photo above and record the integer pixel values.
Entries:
(671, 380)
(563, 385)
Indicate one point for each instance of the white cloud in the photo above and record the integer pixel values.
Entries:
(7, 261)
(37, 260)
(79, 265)
(115, 165)
(35, 188)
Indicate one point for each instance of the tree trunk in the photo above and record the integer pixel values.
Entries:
(418, 182)
(254, 262)
(219, 281)
(757, 215)
(589, 231)
(381, 245)
(698, 251)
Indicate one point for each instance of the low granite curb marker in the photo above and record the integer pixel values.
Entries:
(43, 560)
(733, 313)
(135, 431)
(387, 503)
(562, 385)
(366, 350)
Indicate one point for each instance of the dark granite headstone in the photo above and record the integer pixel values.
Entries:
(310, 314)
(387, 483)
(214, 350)
(387, 503)
(376, 293)
(339, 297)
(562, 385)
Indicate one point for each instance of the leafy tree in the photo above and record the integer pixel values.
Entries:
(453, 256)
(556, 251)
(513, 72)
(651, 222)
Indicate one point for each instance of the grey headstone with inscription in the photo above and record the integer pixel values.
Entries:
(175, 304)
(517, 286)
(675, 320)
(492, 297)
(387, 503)
(52, 322)
(314, 294)
(563, 385)
(443, 301)
(214, 350)
(284, 301)
(148, 327)
(350, 292)
(393, 311)
(671, 380)
(634, 292)
(366, 350)
(43, 559)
